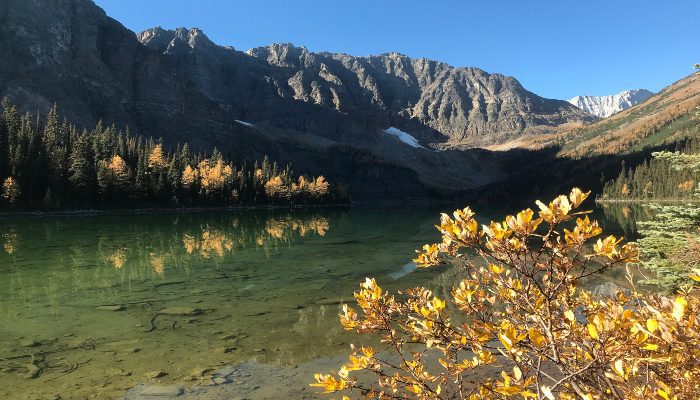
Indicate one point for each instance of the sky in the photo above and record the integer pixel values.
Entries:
(555, 48)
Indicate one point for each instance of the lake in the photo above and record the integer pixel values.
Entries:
(240, 302)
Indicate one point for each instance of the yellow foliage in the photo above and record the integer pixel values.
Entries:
(625, 190)
(686, 186)
(10, 244)
(118, 258)
(275, 187)
(319, 187)
(213, 176)
(209, 243)
(156, 159)
(117, 165)
(189, 176)
(157, 263)
(519, 325)
(10, 190)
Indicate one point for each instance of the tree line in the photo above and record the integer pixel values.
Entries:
(47, 163)
(657, 179)
(669, 240)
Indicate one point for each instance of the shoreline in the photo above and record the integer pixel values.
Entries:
(642, 201)
(161, 210)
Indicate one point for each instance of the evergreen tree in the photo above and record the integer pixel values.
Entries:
(55, 166)
(82, 172)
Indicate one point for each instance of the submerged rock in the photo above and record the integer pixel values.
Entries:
(165, 391)
(225, 350)
(30, 343)
(219, 380)
(33, 371)
(181, 311)
(115, 307)
(200, 372)
(118, 372)
(156, 374)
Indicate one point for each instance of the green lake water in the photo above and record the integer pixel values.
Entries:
(90, 305)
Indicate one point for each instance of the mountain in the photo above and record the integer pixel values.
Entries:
(665, 117)
(437, 101)
(327, 113)
(605, 106)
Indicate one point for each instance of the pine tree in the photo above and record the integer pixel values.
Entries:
(56, 139)
(113, 179)
(55, 166)
(82, 173)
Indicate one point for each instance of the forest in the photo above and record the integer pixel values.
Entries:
(48, 164)
(666, 189)
(657, 178)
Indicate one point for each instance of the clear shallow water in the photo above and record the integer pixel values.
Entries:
(89, 306)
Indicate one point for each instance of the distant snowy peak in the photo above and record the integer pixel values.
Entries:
(605, 106)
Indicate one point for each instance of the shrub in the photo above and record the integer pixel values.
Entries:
(520, 326)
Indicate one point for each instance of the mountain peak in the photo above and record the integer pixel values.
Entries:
(605, 106)
(165, 40)
(283, 55)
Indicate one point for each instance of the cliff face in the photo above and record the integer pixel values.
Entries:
(464, 105)
(69, 52)
(438, 102)
(326, 113)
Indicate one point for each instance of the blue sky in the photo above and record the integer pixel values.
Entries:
(556, 48)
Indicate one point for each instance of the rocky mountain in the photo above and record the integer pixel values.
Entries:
(605, 106)
(664, 118)
(385, 125)
(440, 103)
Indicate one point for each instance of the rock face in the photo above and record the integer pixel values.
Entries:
(325, 113)
(605, 106)
(324, 92)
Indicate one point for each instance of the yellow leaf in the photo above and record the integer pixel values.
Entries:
(679, 308)
(570, 315)
(536, 338)
(577, 196)
(651, 346)
(592, 331)
(662, 394)
(517, 373)
(652, 325)
(496, 269)
(507, 342)
(618, 368)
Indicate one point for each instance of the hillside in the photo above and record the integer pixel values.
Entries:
(670, 115)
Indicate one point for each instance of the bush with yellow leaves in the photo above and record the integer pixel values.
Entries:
(520, 326)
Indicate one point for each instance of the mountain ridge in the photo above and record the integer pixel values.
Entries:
(605, 106)
(387, 126)
(453, 104)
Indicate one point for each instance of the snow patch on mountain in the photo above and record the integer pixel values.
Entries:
(243, 122)
(403, 136)
(605, 106)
